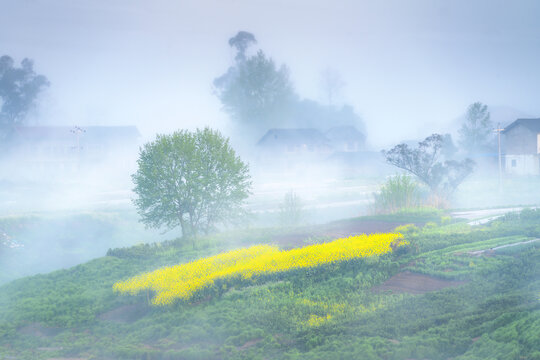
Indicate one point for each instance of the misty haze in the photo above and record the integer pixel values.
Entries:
(269, 180)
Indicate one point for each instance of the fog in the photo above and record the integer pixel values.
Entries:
(405, 69)
(409, 68)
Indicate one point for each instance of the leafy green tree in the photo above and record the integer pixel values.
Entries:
(442, 178)
(255, 92)
(19, 89)
(259, 94)
(476, 131)
(241, 42)
(190, 179)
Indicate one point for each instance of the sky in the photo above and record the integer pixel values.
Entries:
(410, 67)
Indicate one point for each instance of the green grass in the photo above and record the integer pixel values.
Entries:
(495, 314)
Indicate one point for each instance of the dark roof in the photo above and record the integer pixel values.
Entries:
(293, 137)
(344, 133)
(531, 124)
(66, 133)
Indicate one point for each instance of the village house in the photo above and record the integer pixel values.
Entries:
(302, 149)
(294, 142)
(311, 141)
(346, 139)
(521, 147)
(61, 151)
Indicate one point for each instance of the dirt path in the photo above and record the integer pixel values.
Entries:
(482, 252)
(125, 314)
(478, 217)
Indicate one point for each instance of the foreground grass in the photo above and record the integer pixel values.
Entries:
(321, 313)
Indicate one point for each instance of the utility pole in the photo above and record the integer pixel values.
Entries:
(498, 130)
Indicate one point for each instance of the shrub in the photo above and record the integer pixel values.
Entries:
(398, 192)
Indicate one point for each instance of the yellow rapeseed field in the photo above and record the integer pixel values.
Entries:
(183, 281)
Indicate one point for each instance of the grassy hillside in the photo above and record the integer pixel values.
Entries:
(460, 292)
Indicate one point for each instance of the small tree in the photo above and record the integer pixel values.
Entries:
(191, 180)
(291, 209)
(476, 130)
(441, 177)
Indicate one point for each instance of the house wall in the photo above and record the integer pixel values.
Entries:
(519, 141)
(522, 164)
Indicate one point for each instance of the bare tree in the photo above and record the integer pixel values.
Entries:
(331, 85)
(424, 162)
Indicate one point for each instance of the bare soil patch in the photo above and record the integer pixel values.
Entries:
(411, 283)
(125, 314)
(249, 344)
(39, 330)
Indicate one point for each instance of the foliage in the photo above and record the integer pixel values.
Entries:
(184, 281)
(312, 114)
(242, 41)
(19, 88)
(309, 314)
(441, 177)
(398, 192)
(476, 131)
(259, 95)
(194, 180)
(255, 92)
(407, 229)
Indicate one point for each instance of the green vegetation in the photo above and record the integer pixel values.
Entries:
(427, 163)
(193, 180)
(491, 311)
(397, 193)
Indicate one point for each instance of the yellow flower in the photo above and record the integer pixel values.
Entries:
(185, 280)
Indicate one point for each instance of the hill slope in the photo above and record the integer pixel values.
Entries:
(486, 304)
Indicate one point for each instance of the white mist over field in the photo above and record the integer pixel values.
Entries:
(404, 70)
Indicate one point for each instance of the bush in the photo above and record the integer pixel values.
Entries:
(398, 192)
(407, 229)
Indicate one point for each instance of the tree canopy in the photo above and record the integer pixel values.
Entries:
(19, 89)
(259, 95)
(477, 129)
(256, 93)
(241, 42)
(190, 179)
